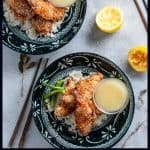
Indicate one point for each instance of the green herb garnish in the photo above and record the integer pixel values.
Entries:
(55, 90)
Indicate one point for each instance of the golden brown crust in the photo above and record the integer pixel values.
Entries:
(67, 101)
(46, 10)
(86, 112)
(41, 25)
(78, 98)
(21, 8)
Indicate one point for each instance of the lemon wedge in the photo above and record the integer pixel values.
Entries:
(137, 58)
(109, 19)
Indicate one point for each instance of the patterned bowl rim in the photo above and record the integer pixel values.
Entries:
(18, 50)
(131, 110)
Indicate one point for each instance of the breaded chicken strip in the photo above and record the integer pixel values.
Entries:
(67, 101)
(46, 10)
(85, 112)
(41, 25)
(85, 118)
(21, 8)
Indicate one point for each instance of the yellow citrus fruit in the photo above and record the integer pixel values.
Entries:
(137, 58)
(109, 19)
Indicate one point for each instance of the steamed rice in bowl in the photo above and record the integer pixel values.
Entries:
(69, 120)
(26, 26)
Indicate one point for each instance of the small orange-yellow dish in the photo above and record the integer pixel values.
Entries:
(137, 58)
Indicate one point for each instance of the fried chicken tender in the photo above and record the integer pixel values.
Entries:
(86, 112)
(41, 25)
(21, 8)
(46, 10)
(67, 101)
(85, 117)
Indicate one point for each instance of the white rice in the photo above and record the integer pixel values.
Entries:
(70, 119)
(26, 25)
(9, 15)
(76, 75)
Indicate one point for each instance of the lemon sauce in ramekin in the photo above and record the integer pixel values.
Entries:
(111, 95)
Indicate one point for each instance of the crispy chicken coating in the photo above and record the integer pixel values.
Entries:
(85, 118)
(21, 8)
(41, 25)
(67, 101)
(78, 98)
(86, 112)
(41, 13)
(46, 10)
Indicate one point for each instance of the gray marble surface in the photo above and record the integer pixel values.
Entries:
(89, 39)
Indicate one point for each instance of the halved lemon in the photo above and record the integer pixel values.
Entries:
(109, 19)
(137, 58)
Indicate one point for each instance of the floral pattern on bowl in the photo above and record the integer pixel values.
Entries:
(55, 131)
(18, 41)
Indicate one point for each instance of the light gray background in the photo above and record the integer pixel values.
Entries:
(89, 39)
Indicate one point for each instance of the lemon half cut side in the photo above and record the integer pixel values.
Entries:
(138, 57)
(109, 19)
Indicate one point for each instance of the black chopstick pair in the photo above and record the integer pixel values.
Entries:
(29, 118)
(141, 14)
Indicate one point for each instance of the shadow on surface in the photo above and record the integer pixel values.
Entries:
(95, 35)
(132, 73)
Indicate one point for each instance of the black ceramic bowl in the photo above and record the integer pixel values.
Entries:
(56, 132)
(18, 40)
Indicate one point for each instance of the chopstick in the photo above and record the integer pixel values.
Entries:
(26, 128)
(28, 121)
(45, 64)
(24, 106)
(141, 14)
(145, 4)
